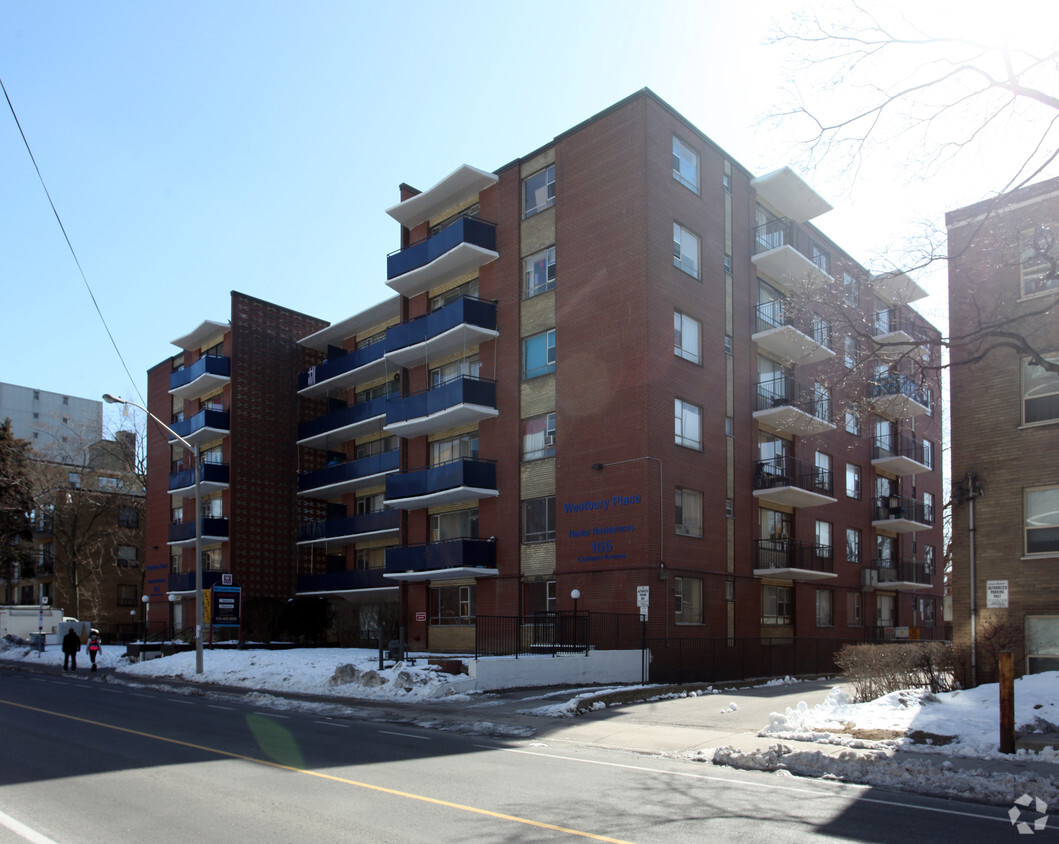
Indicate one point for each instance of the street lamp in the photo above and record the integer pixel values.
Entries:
(146, 616)
(110, 399)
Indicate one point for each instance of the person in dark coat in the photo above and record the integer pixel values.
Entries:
(71, 645)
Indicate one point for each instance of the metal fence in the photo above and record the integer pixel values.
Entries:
(556, 633)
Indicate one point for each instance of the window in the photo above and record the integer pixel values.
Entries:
(538, 191)
(688, 424)
(538, 437)
(884, 610)
(74, 479)
(453, 604)
(109, 484)
(688, 513)
(928, 453)
(374, 447)
(853, 609)
(370, 503)
(538, 596)
(853, 546)
(729, 508)
(885, 548)
(686, 334)
(823, 538)
(176, 515)
(685, 164)
(928, 559)
(538, 519)
(728, 264)
(926, 612)
(729, 426)
(468, 366)
(685, 250)
(1040, 392)
(822, 331)
(1038, 266)
(825, 616)
(66, 399)
(852, 481)
(126, 556)
(128, 517)
(851, 289)
(126, 595)
(727, 345)
(928, 399)
(822, 479)
(852, 419)
(455, 524)
(729, 589)
(369, 559)
(175, 563)
(820, 256)
(776, 605)
(211, 559)
(852, 353)
(726, 182)
(538, 354)
(687, 600)
(453, 448)
(212, 508)
(928, 507)
(822, 401)
(1041, 507)
(538, 272)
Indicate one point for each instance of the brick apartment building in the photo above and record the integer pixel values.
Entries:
(1003, 286)
(620, 361)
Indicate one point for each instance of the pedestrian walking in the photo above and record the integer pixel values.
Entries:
(94, 647)
(71, 645)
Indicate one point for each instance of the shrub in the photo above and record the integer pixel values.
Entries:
(877, 670)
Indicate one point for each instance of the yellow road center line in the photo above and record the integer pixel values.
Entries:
(382, 789)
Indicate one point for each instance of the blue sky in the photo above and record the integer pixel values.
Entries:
(194, 148)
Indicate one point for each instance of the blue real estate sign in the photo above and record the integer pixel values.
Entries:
(226, 605)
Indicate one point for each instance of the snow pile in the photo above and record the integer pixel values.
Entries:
(961, 723)
(906, 773)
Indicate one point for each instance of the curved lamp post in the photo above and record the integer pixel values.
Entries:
(110, 399)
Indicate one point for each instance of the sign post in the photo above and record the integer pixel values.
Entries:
(643, 601)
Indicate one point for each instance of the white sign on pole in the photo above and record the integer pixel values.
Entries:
(996, 594)
(643, 600)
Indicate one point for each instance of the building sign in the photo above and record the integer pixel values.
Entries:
(603, 541)
(996, 594)
(421, 616)
(225, 605)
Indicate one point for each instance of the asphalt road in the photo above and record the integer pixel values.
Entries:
(84, 760)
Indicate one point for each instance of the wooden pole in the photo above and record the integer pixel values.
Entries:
(1007, 702)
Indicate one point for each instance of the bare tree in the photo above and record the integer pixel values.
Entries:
(16, 502)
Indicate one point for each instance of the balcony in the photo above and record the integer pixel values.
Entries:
(343, 581)
(775, 255)
(788, 559)
(898, 397)
(336, 480)
(458, 249)
(793, 483)
(183, 533)
(204, 426)
(790, 195)
(339, 426)
(774, 333)
(206, 374)
(462, 184)
(901, 514)
(445, 560)
(459, 325)
(902, 575)
(185, 581)
(213, 477)
(343, 371)
(898, 333)
(898, 454)
(462, 401)
(350, 529)
(897, 288)
(465, 479)
(792, 407)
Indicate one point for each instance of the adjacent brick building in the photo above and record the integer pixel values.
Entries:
(1003, 287)
(624, 361)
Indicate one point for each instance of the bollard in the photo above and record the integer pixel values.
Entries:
(1007, 702)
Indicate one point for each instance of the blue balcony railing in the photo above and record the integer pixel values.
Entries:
(450, 553)
(216, 473)
(466, 310)
(334, 581)
(185, 581)
(342, 418)
(183, 531)
(217, 419)
(365, 467)
(463, 390)
(334, 367)
(466, 471)
(208, 365)
(349, 526)
(463, 230)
